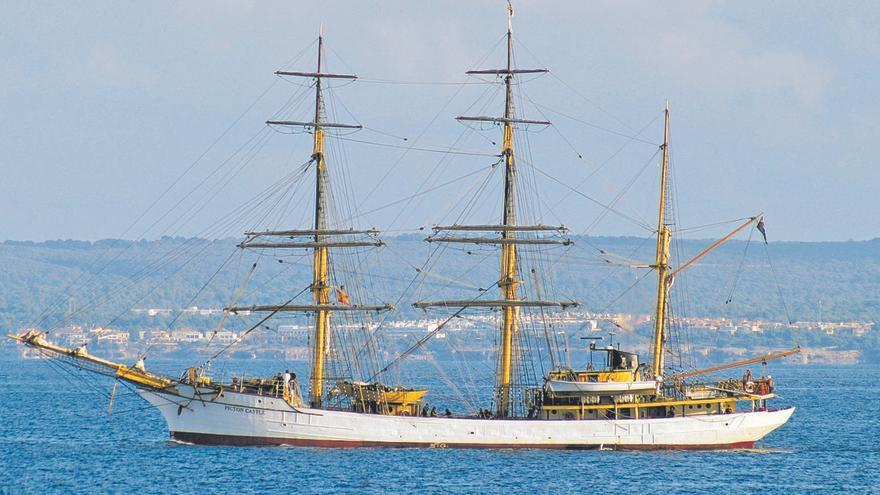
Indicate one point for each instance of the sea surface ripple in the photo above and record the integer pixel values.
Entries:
(56, 437)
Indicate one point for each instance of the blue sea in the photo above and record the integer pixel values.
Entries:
(56, 437)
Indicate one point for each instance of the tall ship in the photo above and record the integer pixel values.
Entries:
(619, 401)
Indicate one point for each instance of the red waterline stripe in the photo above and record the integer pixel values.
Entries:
(237, 440)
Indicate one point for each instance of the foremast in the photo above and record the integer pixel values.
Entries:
(661, 264)
(320, 264)
(322, 239)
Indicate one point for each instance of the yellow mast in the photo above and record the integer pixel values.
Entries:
(320, 269)
(322, 237)
(664, 235)
(510, 301)
(509, 283)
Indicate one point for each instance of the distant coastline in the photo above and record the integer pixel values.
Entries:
(831, 292)
(711, 339)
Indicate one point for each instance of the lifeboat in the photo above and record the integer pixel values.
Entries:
(567, 387)
(622, 375)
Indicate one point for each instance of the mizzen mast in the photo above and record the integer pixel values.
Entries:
(661, 264)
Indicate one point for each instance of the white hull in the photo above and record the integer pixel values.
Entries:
(239, 419)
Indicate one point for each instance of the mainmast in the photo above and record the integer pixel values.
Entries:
(508, 283)
(510, 303)
(661, 264)
(321, 238)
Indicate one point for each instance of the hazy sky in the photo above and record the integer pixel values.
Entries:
(774, 109)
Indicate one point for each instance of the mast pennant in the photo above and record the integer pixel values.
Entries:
(762, 229)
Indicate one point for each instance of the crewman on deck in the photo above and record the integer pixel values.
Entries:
(139, 365)
(747, 377)
(434, 412)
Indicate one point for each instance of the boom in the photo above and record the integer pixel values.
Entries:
(744, 362)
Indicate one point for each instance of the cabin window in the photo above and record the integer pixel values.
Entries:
(699, 406)
(690, 406)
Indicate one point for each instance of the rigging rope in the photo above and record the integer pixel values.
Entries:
(414, 148)
(709, 225)
(188, 245)
(235, 297)
(597, 202)
(422, 193)
(778, 286)
(258, 324)
(78, 283)
(427, 336)
(569, 87)
(423, 83)
(739, 268)
(595, 126)
(190, 303)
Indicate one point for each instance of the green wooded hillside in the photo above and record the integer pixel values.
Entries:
(98, 282)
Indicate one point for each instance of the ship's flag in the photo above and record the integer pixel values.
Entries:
(762, 230)
(342, 296)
